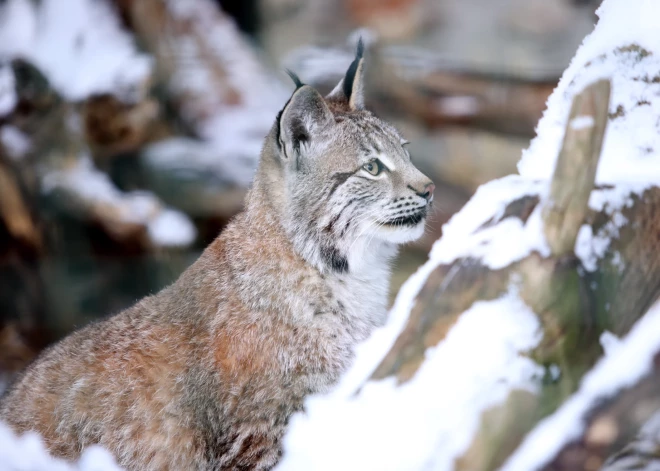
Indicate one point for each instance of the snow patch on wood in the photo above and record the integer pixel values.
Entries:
(622, 366)
(624, 48)
(497, 245)
(88, 186)
(582, 122)
(14, 141)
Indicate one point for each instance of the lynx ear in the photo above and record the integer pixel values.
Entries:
(305, 113)
(351, 88)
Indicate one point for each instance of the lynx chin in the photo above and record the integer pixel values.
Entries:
(205, 374)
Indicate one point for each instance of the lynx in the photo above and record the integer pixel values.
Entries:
(205, 374)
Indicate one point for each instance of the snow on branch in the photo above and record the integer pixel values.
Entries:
(89, 194)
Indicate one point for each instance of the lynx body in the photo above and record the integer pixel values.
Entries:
(205, 374)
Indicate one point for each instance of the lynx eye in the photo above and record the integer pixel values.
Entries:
(375, 167)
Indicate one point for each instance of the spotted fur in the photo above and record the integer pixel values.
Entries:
(205, 374)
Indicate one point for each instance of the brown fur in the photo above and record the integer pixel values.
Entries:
(128, 382)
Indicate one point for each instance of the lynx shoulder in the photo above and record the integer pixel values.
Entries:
(206, 373)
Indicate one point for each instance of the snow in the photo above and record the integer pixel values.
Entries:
(623, 365)
(457, 106)
(166, 227)
(14, 141)
(497, 245)
(171, 228)
(589, 248)
(582, 122)
(27, 453)
(8, 98)
(81, 46)
(609, 342)
(631, 150)
(481, 355)
(184, 155)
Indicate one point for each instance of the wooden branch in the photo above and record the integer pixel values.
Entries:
(552, 287)
(112, 127)
(575, 172)
(164, 32)
(14, 211)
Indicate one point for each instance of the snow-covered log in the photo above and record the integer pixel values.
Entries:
(503, 350)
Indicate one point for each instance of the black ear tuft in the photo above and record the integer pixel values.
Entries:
(360, 49)
(352, 70)
(295, 78)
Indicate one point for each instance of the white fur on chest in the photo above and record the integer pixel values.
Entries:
(363, 301)
(363, 291)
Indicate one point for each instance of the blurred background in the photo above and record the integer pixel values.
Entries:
(130, 129)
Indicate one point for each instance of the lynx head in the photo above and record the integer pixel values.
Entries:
(340, 178)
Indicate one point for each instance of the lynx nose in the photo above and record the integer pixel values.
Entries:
(427, 193)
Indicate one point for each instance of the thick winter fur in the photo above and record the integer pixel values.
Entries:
(205, 374)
